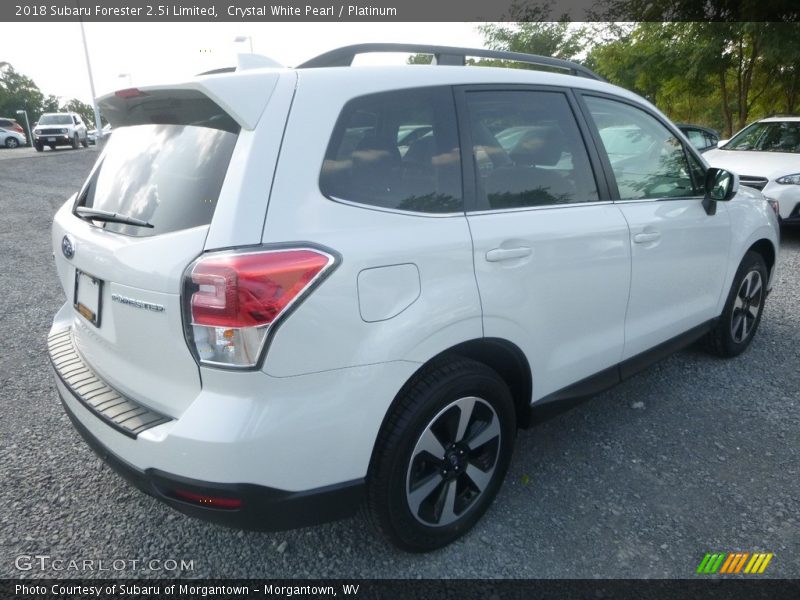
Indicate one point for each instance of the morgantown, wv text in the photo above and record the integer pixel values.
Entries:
(181, 590)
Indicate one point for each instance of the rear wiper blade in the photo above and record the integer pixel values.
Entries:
(95, 214)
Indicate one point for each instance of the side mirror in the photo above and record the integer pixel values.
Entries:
(721, 143)
(720, 186)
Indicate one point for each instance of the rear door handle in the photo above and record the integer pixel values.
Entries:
(644, 238)
(499, 254)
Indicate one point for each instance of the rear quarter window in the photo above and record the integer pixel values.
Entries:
(396, 150)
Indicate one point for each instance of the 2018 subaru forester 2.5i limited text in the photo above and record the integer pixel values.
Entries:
(279, 310)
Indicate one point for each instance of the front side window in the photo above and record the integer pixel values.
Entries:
(648, 161)
(396, 150)
(527, 150)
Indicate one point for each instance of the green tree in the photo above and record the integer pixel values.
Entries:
(84, 110)
(18, 92)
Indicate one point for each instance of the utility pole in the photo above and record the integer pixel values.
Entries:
(97, 124)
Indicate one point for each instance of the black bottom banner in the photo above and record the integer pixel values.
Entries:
(363, 589)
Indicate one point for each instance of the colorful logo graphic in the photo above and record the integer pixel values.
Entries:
(730, 563)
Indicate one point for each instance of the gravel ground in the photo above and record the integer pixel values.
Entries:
(694, 455)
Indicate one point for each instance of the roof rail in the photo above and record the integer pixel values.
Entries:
(444, 55)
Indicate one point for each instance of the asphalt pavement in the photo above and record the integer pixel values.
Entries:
(695, 455)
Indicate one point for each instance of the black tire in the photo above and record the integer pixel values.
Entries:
(85, 142)
(75, 142)
(739, 320)
(38, 147)
(51, 146)
(421, 500)
(11, 142)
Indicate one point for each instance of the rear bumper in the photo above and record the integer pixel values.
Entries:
(261, 508)
(279, 453)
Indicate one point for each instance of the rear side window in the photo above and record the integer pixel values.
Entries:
(528, 150)
(396, 150)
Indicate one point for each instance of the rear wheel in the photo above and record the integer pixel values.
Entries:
(11, 142)
(743, 309)
(441, 455)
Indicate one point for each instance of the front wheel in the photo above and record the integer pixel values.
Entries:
(39, 147)
(75, 142)
(743, 309)
(441, 455)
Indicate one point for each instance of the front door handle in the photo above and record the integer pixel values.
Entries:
(644, 238)
(499, 254)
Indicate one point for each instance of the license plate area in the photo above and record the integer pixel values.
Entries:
(88, 296)
(51, 139)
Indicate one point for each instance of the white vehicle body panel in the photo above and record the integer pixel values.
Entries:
(563, 304)
(138, 352)
(676, 279)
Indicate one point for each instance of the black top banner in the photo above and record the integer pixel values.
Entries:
(153, 11)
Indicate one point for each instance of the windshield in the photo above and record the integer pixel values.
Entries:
(776, 136)
(55, 120)
(167, 175)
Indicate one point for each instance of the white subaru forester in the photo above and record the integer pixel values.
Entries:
(293, 292)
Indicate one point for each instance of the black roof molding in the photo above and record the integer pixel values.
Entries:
(444, 55)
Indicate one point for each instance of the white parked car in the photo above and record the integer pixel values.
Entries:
(9, 138)
(274, 315)
(766, 155)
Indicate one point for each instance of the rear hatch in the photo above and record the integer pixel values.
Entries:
(141, 217)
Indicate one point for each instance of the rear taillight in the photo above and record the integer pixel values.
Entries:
(232, 300)
(18, 128)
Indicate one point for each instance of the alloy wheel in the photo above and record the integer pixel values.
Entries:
(746, 306)
(453, 461)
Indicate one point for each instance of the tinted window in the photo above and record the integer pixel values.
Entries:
(697, 138)
(167, 175)
(528, 150)
(647, 160)
(396, 150)
(55, 120)
(782, 136)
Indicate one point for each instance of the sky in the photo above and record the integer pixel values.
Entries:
(130, 54)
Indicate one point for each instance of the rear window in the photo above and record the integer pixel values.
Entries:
(396, 150)
(167, 175)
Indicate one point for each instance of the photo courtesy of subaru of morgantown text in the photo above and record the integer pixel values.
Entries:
(293, 293)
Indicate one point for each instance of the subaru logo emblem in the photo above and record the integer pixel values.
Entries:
(68, 246)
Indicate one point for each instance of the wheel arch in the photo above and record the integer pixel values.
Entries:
(767, 251)
(501, 355)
